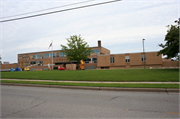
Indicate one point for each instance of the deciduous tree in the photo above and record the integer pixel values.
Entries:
(171, 47)
(77, 49)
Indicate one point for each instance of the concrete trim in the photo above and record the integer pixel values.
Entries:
(96, 88)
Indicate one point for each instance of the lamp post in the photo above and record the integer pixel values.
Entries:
(22, 62)
(143, 53)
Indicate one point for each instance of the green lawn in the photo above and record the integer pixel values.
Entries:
(120, 75)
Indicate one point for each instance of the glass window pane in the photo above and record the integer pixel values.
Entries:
(112, 59)
(46, 55)
(95, 60)
(96, 51)
(61, 54)
(39, 56)
(127, 58)
(143, 57)
(87, 60)
(38, 63)
(34, 57)
(50, 54)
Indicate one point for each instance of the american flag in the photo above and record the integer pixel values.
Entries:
(50, 45)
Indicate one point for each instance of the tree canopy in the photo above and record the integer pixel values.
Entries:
(171, 47)
(77, 49)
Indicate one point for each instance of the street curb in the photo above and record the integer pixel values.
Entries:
(97, 88)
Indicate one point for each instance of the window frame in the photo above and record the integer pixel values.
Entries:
(127, 58)
(54, 55)
(94, 59)
(112, 59)
(96, 51)
(63, 55)
(46, 55)
(143, 58)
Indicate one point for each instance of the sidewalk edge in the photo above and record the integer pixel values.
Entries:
(96, 88)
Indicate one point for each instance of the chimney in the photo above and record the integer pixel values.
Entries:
(99, 43)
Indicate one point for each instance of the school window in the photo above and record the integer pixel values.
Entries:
(38, 63)
(34, 57)
(61, 54)
(87, 60)
(94, 60)
(127, 58)
(50, 55)
(97, 51)
(143, 58)
(46, 55)
(112, 59)
(38, 56)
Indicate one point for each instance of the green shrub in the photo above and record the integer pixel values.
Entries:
(55, 68)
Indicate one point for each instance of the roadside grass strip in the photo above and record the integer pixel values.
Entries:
(128, 85)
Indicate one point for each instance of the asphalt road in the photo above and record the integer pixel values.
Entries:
(39, 102)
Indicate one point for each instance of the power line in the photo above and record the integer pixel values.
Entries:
(46, 9)
(60, 11)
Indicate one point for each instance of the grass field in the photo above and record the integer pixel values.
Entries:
(120, 75)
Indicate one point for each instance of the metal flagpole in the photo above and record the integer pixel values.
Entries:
(52, 54)
(143, 53)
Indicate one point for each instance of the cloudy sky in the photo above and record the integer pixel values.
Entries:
(120, 26)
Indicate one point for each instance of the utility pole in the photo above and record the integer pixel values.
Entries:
(52, 54)
(143, 53)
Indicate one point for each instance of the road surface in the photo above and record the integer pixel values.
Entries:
(39, 102)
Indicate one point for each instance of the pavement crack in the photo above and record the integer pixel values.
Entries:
(114, 98)
(43, 101)
(34, 100)
(38, 104)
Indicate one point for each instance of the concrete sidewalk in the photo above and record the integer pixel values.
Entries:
(96, 88)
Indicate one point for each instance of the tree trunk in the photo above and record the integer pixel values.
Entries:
(71, 66)
(78, 67)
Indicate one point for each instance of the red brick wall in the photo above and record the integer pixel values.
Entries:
(9, 66)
